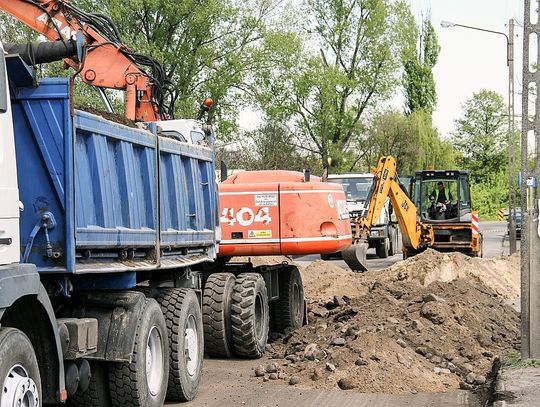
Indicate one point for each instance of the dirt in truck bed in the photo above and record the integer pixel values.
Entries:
(428, 324)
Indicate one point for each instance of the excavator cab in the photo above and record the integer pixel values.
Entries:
(443, 199)
(442, 196)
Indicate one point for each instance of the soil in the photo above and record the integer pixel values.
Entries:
(428, 324)
(117, 118)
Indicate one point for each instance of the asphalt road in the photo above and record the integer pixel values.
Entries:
(228, 383)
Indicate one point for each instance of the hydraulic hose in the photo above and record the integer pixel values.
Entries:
(34, 53)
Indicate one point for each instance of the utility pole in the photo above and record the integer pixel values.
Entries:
(512, 174)
(530, 240)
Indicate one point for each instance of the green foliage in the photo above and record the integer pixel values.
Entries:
(268, 148)
(354, 66)
(489, 194)
(513, 360)
(411, 139)
(420, 90)
(481, 134)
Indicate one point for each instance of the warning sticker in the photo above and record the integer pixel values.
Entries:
(266, 200)
(343, 211)
(259, 234)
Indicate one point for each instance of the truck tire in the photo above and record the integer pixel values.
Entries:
(250, 316)
(216, 311)
(97, 394)
(183, 318)
(289, 308)
(382, 249)
(19, 370)
(143, 382)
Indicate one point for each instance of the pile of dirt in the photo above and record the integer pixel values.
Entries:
(501, 274)
(323, 280)
(430, 323)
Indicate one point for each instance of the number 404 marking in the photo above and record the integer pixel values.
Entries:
(245, 216)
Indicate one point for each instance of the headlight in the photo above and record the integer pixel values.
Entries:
(374, 233)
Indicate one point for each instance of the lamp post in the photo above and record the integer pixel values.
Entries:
(511, 130)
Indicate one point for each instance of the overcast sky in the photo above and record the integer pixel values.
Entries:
(471, 60)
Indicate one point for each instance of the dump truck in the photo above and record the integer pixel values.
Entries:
(112, 288)
(436, 214)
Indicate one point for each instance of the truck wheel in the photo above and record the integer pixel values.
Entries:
(382, 249)
(289, 308)
(186, 341)
(216, 312)
(143, 382)
(250, 315)
(19, 370)
(97, 394)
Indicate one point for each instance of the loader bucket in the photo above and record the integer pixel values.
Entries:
(355, 255)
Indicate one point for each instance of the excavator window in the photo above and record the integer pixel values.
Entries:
(439, 198)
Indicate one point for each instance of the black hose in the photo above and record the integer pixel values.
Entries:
(34, 53)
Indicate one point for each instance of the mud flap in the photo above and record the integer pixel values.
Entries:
(356, 255)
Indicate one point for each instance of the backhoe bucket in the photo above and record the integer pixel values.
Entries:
(356, 255)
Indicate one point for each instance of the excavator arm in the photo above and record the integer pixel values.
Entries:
(106, 62)
(415, 234)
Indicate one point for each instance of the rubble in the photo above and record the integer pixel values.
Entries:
(428, 324)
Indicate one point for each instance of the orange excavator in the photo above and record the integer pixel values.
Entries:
(92, 46)
(282, 213)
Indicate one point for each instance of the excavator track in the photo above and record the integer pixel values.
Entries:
(356, 256)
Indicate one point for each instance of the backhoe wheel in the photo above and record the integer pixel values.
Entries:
(19, 371)
(182, 312)
(289, 308)
(250, 316)
(143, 382)
(383, 248)
(97, 394)
(216, 312)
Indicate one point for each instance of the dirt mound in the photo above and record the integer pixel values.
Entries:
(400, 337)
(323, 280)
(433, 322)
(502, 274)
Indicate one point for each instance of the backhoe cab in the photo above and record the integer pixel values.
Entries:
(443, 198)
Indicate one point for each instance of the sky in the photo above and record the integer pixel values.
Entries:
(471, 60)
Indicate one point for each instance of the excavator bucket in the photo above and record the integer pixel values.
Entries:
(356, 255)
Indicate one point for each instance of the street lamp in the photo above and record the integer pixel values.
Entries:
(511, 150)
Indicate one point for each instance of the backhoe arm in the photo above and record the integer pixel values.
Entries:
(415, 234)
(106, 62)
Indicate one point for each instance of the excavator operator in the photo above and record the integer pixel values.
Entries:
(441, 205)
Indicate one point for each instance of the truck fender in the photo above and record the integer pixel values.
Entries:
(21, 281)
(118, 316)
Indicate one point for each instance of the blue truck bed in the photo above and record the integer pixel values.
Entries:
(94, 191)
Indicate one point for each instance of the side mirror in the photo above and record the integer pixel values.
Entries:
(3, 83)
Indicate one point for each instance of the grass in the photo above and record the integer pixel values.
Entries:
(513, 360)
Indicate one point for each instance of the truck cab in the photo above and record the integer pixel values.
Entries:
(384, 236)
(9, 204)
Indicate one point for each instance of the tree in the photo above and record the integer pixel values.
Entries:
(411, 139)
(324, 94)
(420, 91)
(267, 148)
(481, 134)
